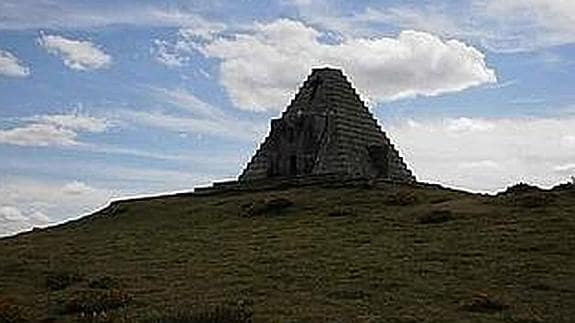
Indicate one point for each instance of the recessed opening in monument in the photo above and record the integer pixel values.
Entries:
(293, 165)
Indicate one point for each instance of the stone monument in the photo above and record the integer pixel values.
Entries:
(326, 130)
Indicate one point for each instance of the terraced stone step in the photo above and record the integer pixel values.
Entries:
(366, 130)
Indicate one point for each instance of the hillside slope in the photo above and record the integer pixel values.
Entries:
(387, 253)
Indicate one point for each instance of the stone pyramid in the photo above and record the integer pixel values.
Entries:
(326, 130)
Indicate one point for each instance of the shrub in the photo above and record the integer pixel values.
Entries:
(529, 200)
(59, 280)
(520, 188)
(525, 195)
(95, 302)
(482, 302)
(339, 213)
(104, 282)
(436, 216)
(218, 314)
(569, 186)
(534, 200)
(401, 198)
(11, 312)
(271, 206)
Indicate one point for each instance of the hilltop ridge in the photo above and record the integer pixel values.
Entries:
(373, 251)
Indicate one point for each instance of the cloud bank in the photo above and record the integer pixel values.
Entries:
(488, 154)
(261, 69)
(27, 203)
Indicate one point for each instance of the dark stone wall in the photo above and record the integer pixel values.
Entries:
(295, 142)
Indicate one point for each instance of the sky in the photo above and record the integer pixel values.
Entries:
(101, 100)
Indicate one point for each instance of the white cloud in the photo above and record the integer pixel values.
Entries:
(10, 65)
(202, 29)
(567, 168)
(568, 141)
(13, 220)
(498, 25)
(26, 203)
(11, 213)
(76, 188)
(528, 25)
(38, 14)
(479, 165)
(38, 135)
(52, 130)
(261, 69)
(468, 125)
(176, 54)
(168, 55)
(487, 154)
(76, 122)
(76, 54)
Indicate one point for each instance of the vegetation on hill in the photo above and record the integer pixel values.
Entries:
(367, 253)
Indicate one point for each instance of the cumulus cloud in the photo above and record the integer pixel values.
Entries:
(487, 154)
(26, 203)
(52, 130)
(261, 69)
(14, 220)
(11, 66)
(77, 54)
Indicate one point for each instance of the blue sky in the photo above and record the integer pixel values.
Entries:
(107, 99)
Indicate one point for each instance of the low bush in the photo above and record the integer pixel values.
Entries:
(104, 282)
(339, 213)
(272, 206)
(482, 302)
(95, 302)
(528, 200)
(569, 186)
(59, 280)
(400, 198)
(10, 312)
(525, 195)
(436, 217)
(218, 314)
(520, 188)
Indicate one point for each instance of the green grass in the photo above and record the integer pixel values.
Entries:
(350, 254)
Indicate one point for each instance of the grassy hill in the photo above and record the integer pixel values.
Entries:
(367, 253)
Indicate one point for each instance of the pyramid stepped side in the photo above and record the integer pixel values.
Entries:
(356, 129)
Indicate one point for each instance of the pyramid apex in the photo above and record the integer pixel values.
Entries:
(326, 69)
